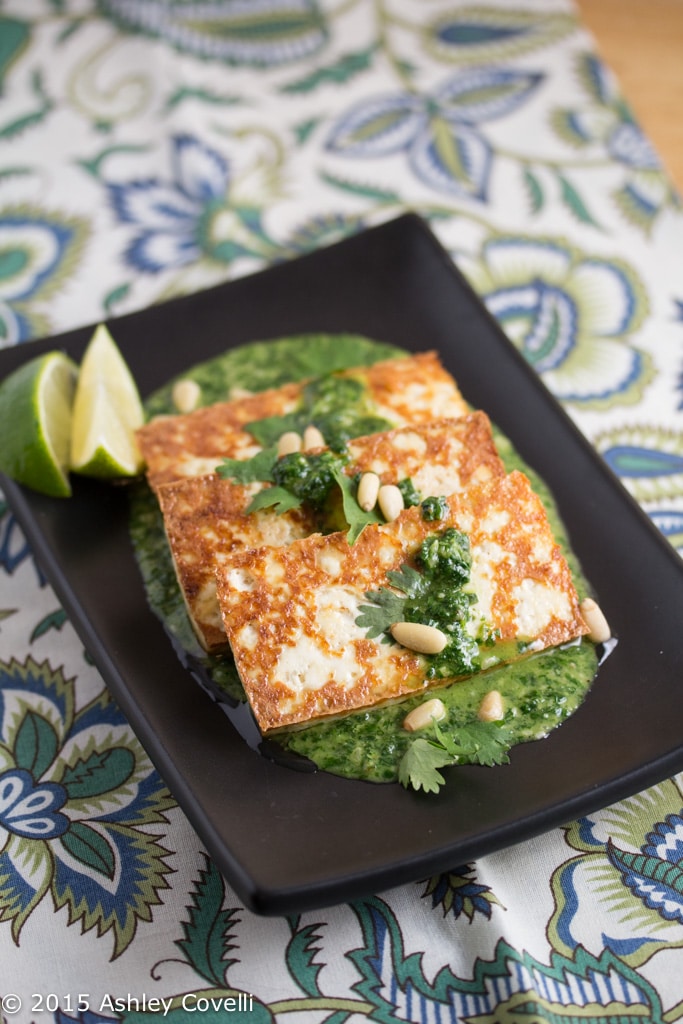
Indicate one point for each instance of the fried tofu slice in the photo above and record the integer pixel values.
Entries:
(206, 519)
(408, 389)
(291, 613)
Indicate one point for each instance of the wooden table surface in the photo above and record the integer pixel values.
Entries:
(642, 41)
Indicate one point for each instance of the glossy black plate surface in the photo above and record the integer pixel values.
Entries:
(289, 841)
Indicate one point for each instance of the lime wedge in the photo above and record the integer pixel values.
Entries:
(107, 412)
(35, 423)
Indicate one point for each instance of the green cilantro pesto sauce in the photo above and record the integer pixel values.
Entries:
(540, 691)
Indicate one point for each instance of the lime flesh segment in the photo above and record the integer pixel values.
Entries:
(35, 423)
(107, 412)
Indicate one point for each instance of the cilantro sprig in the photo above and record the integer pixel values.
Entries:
(387, 606)
(485, 743)
(298, 479)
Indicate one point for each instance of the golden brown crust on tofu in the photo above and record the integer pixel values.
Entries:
(440, 457)
(205, 517)
(408, 389)
(290, 613)
(194, 443)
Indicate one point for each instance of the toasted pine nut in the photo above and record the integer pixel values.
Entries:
(417, 636)
(491, 708)
(236, 393)
(390, 501)
(289, 442)
(592, 615)
(313, 438)
(424, 714)
(186, 394)
(368, 489)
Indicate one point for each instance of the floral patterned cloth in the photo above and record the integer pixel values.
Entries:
(155, 147)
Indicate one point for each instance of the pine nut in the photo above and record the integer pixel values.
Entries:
(390, 501)
(186, 394)
(424, 714)
(313, 438)
(288, 443)
(368, 489)
(491, 708)
(592, 615)
(417, 636)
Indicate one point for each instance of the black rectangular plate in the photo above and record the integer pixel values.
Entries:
(289, 841)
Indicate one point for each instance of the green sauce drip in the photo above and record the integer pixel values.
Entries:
(540, 691)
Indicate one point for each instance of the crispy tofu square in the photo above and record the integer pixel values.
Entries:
(291, 613)
(206, 519)
(409, 389)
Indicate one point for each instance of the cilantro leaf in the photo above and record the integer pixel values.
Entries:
(407, 579)
(386, 609)
(354, 515)
(248, 471)
(270, 428)
(278, 498)
(419, 764)
(484, 743)
(478, 742)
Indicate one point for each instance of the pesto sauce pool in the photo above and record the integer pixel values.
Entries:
(540, 691)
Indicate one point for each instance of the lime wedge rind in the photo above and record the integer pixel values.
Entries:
(36, 403)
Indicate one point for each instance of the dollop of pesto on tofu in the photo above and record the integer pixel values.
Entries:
(337, 405)
(434, 594)
(444, 602)
(434, 508)
(308, 476)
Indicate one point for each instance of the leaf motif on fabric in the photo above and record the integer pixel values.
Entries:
(534, 191)
(35, 744)
(486, 94)
(267, 34)
(55, 620)
(454, 159)
(648, 460)
(301, 955)
(575, 202)
(207, 934)
(458, 893)
(341, 71)
(476, 34)
(87, 846)
(15, 36)
(596, 78)
(640, 204)
(98, 773)
(377, 127)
